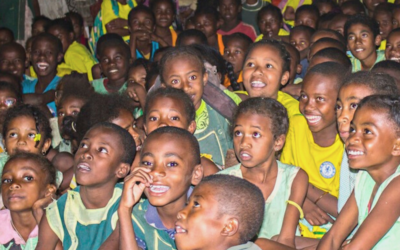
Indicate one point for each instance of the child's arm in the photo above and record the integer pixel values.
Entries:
(379, 221)
(270, 244)
(323, 200)
(158, 39)
(117, 26)
(343, 226)
(137, 93)
(315, 215)
(39, 99)
(292, 214)
(47, 238)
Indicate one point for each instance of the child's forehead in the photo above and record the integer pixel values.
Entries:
(142, 14)
(306, 13)
(236, 42)
(359, 27)
(12, 50)
(23, 164)
(208, 17)
(300, 34)
(44, 41)
(269, 14)
(394, 37)
(177, 145)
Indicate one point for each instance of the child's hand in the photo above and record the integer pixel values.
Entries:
(39, 206)
(314, 215)
(137, 93)
(141, 35)
(134, 185)
(117, 23)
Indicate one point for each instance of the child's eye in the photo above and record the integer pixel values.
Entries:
(353, 105)
(250, 64)
(196, 204)
(320, 99)
(238, 52)
(364, 35)
(6, 181)
(175, 81)
(28, 178)
(256, 135)
(172, 164)
(303, 96)
(175, 118)
(152, 118)
(237, 133)
(75, 113)
(84, 145)
(350, 38)
(61, 114)
(293, 43)
(12, 135)
(269, 66)
(193, 77)
(367, 131)
(352, 130)
(338, 107)
(31, 135)
(103, 150)
(146, 163)
(118, 57)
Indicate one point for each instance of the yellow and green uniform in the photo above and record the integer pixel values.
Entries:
(78, 227)
(79, 59)
(356, 64)
(322, 164)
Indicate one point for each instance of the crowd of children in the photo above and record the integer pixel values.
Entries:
(215, 124)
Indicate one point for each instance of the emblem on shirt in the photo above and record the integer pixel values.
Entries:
(327, 170)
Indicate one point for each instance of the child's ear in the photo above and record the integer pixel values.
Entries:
(46, 146)
(192, 127)
(123, 170)
(59, 57)
(378, 40)
(50, 190)
(279, 142)
(285, 78)
(205, 78)
(299, 68)
(230, 228)
(396, 148)
(197, 174)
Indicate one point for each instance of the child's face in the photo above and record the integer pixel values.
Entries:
(229, 10)
(200, 224)
(38, 28)
(138, 75)
(172, 169)
(392, 51)
(45, 57)
(164, 14)
(306, 18)
(98, 159)
(371, 4)
(71, 106)
(349, 10)
(78, 29)
(324, 8)
(166, 111)
(253, 140)
(126, 121)
(385, 22)
(5, 37)
(23, 183)
(114, 63)
(142, 21)
(372, 139)
(337, 24)
(300, 40)
(185, 73)
(65, 37)
(13, 62)
(235, 51)
(396, 18)
(317, 102)
(206, 24)
(262, 72)
(347, 103)
(269, 24)
(190, 40)
(361, 41)
(20, 137)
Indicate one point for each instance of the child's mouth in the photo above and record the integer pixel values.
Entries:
(158, 189)
(179, 229)
(113, 71)
(359, 50)
(244, 156)
(83, 167)
(257, 84)
(313, 119)
(42, 65)
(354, 152)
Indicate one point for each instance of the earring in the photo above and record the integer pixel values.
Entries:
(43, 153)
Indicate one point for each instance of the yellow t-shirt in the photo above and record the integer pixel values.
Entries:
(322, 164)
(62, 70)
(108, 13)
(294, 4)
(383, 45)
(79, 59)
(282, 32)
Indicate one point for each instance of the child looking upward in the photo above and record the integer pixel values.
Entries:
(372, 148)
(363, 37)
(105, 156)
(314, 145)
(230, 11)
(259, 131)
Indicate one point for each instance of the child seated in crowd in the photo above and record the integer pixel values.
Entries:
(13, 60)
(164, 11)
(6, 35)
(392, 51)
(307, 15)
(270, 23)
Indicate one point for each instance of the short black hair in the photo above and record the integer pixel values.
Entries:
(384, 7)
(141, 8)
(238, 36)
(336, 34)
(213, 57)
(10, 87)
(269, 108)
(74, 15)
(303, 28)
(75, 85)
(173, 93)
(41, 18)
(181, 51)
(310, 8)
(49, 37)
(389, 104)
(387, 64)
(41, 121)
(326, 19)
(112, 40)
(364, 20)
(357, 5)
(191, 33)
(338, 45)
(61, 23)
(141, 62)
(277, 45)
(91, 113)
(237, 2)
(332, 70)
(335, 55)
(13, 46)
(170, 2)
(127, 142)
(9, 31)
(270, 8)
(394, 30)
(379, 83)
(234, 196)
(45, 165)
(179, 133)
(207, 10)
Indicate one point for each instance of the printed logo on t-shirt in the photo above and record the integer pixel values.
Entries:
(327, 170)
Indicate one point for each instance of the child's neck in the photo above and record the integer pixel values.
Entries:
(261, 173)
(163, 32)
(98, 196)
(381, 172)
(227, 26)
(325, 137)
(43, 82)
(369, 62)
(169, 212)
(213, 41)
(23, 223)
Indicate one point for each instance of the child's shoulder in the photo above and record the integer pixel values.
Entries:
(291, 104)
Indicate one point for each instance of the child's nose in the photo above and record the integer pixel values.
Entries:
(181, 214)
(15, 185)
(157, 171)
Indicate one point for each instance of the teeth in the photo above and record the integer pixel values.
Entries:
(158, 189)
(257, 84)
(113, 70)
(245, 154)
(354, 152)
(179, 229)
(313, 119)
(359, 50)
(42, 65)
(83, 167)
